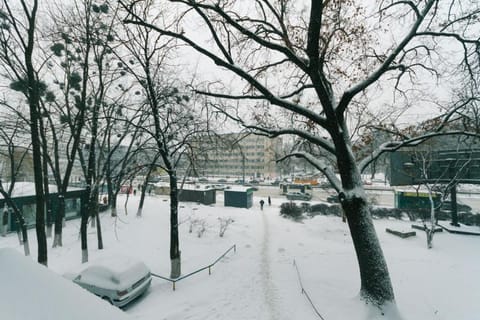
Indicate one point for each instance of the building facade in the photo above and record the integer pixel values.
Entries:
(239, 155)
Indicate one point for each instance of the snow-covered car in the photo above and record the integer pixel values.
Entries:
(119, 280)
(295, 195)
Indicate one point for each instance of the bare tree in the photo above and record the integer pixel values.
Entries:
(14, 155)
(17, 46)
(312, 64)
(173, 115)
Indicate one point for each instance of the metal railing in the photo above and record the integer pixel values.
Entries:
(209, 267)
(305, 292)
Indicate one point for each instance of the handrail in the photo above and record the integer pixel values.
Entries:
(305, 292)
(174, 281)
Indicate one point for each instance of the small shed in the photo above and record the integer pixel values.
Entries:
(204, 194)
(239, 197)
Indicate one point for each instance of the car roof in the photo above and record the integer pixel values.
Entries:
(114, 272)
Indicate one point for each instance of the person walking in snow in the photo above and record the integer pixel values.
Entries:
(269, 201)
(261, 204)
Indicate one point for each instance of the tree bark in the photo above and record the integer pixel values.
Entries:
(83, 226)
(57, 238)
(142, 197)
(376, 285)
(33, 96)
(375, 279)
(176, 270)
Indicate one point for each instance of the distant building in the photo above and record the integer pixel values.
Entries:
(238, 155)
(24, 198)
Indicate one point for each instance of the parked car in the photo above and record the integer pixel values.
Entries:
(275, 183)
(222, 180)
(295, 195)
(251, 186)
(118, 280)
(333, 198)
(202, 179)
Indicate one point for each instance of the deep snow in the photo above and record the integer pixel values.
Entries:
(260, 280)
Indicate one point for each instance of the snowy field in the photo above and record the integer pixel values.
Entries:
(260, 279)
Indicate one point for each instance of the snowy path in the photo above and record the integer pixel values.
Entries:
(269, 290)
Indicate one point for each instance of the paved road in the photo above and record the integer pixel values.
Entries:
(383, 196)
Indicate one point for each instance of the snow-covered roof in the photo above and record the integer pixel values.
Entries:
(238, 188)
(203, 187)
(23, 189)
(31, 291)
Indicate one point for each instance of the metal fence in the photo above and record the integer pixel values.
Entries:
(305, 292)
(209, 267)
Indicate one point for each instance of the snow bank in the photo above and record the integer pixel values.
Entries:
(30, 291)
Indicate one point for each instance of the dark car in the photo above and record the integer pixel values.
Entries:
(222, 180)
(275, 183)
(333, 198)
(295, 195)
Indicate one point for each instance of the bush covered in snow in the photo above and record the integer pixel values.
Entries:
(291, 210)
(325, 209)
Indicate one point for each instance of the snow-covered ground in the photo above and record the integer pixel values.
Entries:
(260, 279)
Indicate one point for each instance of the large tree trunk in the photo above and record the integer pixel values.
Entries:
(111, 195)
(176, 270)
(99, 232)
(142, 197)
(145, 186)
(83, 225)
(375, 279)
(48, 203)
(96, 216)
(113, 204)
(376, 285)
(22, 226)
(57, 238)
(33, 97)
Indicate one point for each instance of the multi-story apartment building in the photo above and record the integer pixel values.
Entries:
(237, 154)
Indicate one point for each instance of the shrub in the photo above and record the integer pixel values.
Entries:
(290, 209)
(325, 209)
